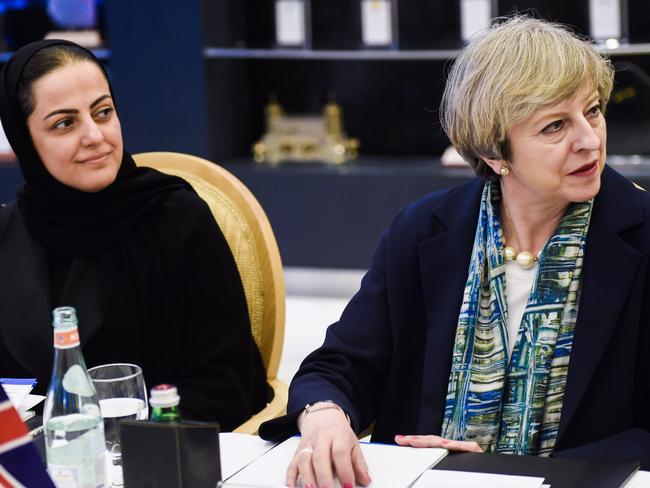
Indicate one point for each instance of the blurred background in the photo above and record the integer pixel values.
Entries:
(196, 77)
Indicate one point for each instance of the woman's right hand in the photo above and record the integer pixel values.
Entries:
(327, 441)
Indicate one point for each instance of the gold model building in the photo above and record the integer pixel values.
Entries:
(304, 138)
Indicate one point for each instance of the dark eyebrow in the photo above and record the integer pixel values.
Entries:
(71, 111)
(99, 100)
(61, 111)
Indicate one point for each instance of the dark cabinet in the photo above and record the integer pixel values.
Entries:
(194, 76)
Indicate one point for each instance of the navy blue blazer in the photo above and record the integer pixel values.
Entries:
(387, 360)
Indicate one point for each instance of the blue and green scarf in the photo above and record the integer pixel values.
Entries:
(515, 407)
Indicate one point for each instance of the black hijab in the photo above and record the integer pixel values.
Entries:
(103, 254)
(66, 221)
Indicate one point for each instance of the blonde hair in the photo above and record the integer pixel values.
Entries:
(506, 73)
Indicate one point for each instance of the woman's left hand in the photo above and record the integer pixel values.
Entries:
(437, 441)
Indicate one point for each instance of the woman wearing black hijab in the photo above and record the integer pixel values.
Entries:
(137, 252)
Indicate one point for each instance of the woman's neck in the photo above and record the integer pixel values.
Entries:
(528, 224)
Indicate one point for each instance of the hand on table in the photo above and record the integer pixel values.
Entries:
(437, 441)
(327, 442)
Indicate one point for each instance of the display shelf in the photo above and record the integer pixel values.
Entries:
(332, 216)
(637, 49)
(101, 53)
(379, 54)
(425, 167)
(308, 54)
(362, 166)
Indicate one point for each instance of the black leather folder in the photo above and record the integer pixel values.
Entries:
(559, 473)
(170, 455)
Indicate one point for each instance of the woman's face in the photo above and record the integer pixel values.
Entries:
(558, 153)
(75, 128)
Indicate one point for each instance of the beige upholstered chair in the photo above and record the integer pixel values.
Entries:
(251, 240)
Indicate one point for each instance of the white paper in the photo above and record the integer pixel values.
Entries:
(239, 450)
(30, 401)
(17, 392)
(438, 478)
(641, 479)
(605, 19)
(290, 22)
(376, 22)
(475, 15)
(389, 466)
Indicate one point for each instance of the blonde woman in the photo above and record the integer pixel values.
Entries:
(506, 315)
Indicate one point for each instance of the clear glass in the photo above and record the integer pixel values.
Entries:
(122, 396)
(74, 432)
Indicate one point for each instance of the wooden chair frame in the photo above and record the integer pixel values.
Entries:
(218, 188)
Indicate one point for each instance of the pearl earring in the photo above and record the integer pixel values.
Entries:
(504, 170)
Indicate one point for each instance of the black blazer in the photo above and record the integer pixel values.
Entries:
(388, 358)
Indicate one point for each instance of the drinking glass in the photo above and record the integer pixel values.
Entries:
(122, 396)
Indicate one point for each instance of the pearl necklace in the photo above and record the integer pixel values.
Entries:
(524, 259)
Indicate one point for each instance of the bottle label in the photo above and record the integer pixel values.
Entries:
(64, 476)
(66, 338)
(100, 470)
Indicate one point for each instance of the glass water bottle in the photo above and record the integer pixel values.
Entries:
(74, 430)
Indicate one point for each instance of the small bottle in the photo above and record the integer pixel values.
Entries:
(291, 23)
(74, 429)
(475, 16)
(164, 402)
(376, 22)
(608, 22)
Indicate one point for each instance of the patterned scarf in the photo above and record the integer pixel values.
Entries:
(515, 408)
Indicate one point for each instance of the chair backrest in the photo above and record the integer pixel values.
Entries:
(250, 237)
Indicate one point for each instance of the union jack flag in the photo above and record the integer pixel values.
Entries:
(20, 464)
